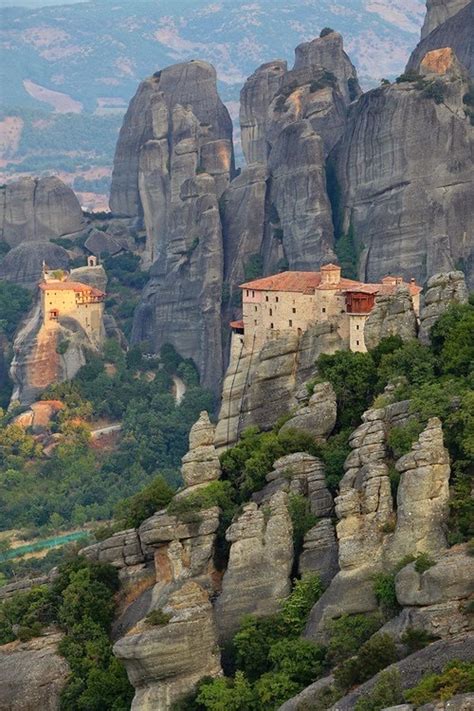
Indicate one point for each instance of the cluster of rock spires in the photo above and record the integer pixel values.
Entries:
(391, 167)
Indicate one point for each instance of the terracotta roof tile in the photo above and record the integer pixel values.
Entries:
(76, 286)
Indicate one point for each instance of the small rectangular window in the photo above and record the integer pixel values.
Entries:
(358, 343)
(266, 298)
(248, 292)
(276, 298)
(290, 322)
(323, 309)
(271, 312)
(255, 308)
(271, 325)
(294, 311)
(357, 327)
(253, 293)
(255, 322)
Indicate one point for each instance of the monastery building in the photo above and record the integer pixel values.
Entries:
(63, 298)
(295, 301)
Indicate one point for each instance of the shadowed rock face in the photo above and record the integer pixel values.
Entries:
(404, 169)
(174, 159)
(24, 264)
(438, 11)
(38, 209)
(450, 25)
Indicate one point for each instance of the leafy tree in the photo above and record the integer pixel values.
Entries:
(353, 378)
(14, 304)
(137, 508)
(349, 632)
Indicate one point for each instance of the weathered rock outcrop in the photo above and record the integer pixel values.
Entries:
(441, 291)
(24, 264)
(165, 661)
(392, 315)
(260, 387)
(401, 190)
(201, 464)
(432, 659)
(371, 534)
(37, 210)
(318, 415)
(449, 24)
(260, 562)
(32, 674)
(423, 495)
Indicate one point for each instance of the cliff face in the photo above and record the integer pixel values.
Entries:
(173, 160)
(438, 11)
(38, 209)
(404, 174)
(449, 24)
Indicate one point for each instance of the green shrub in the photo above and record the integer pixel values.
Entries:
(223, 694)
(302, 660)
(217, 493)
(137, 508)
(349, 632)
(253, 268)
(386, 692)
(158, 618)
(301, 518)
(415, 639)
(400, 439)
(384, 590)
(62, 347)
(274, 688)
(456, 678)
(408, 77)
(297, 606)
(434, 90)
(375, 654)
(423, 562)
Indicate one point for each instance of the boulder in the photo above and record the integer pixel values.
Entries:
(32, 674)
(392, 315)
(318, 416)
(451, 578)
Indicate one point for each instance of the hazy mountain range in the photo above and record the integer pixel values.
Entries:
(86, 59)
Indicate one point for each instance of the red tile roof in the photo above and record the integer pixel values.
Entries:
(236, 324)
(76, 286)
(308, 282)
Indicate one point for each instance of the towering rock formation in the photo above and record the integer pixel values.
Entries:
(392, 315)
(290, 120)
(37, 210)
(449, 23)
(404, 172)
(173, 160)
(438, 11)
